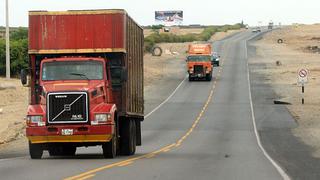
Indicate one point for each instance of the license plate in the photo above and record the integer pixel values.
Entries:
(67, 132)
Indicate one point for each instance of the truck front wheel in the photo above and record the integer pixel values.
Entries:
(35, 151)
(62, 151)
(209, 77)
(69, 150)
(110, 148)
(128, 137)
(55, 151)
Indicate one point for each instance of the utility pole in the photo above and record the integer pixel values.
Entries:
(7, 42)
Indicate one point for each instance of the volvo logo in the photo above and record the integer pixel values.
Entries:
(67, 107)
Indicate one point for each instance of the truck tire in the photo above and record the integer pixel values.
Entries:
(156, 51)
(190, 78)
(128, 137)
(62, 151)
(110, 148)
(35, 151)
(209, 77)
(55, 151)
(218, 63)
(69, 150)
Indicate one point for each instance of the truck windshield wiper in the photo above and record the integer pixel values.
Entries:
(78, 74)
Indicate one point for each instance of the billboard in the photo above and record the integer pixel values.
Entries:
(169, 18)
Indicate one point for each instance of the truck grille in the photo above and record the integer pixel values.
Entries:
(69, 107)
(198, 69)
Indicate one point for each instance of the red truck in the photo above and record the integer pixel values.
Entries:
(86, 82)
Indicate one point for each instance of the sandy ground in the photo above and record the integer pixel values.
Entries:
(176, 31)
(293, 55)
(156, 68)
(220, 35)
(13, 106)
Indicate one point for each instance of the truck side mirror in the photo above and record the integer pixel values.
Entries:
(124, 75)
(24, 77)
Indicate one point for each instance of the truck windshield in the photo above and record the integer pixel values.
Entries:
(199, 58)
(72, 70)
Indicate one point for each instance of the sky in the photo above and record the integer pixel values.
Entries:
(205, 12)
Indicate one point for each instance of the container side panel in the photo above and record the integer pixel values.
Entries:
(84, 31)
(134, 62)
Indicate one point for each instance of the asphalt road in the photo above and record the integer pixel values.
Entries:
(205, 130)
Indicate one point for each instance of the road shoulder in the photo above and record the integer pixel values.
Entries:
(275, 124)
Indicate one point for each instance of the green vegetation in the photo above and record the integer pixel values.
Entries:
(18, 51)
(157, 27)
(155, 38)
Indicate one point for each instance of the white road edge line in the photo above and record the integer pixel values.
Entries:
(284, 175)
(7, 159)
(166, 100)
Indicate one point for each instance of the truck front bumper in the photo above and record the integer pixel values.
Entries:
(80, 134)
(195, 75)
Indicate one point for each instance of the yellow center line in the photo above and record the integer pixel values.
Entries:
(150, 156)
(77, 177)
(166, 150)
(204, 108)
(86, 177)
(125, 164)
(90, 173)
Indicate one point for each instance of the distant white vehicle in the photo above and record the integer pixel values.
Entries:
(215, 59)
(166, 29)
(256, 30)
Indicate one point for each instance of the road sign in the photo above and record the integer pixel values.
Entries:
(303, 76)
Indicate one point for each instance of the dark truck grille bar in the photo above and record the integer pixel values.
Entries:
(198, 69)
(67, 107)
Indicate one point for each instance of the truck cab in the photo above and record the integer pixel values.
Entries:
(75, 106)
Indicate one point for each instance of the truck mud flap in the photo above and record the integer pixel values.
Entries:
(138, 133)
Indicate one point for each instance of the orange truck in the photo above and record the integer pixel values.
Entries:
(199, 62)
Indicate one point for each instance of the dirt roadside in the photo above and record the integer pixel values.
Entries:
(220, 35)
(282, 63)
(13, 106)
(176, 30)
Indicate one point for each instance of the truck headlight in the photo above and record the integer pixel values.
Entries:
(191, 70)
(35, 120)
(101, 118)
